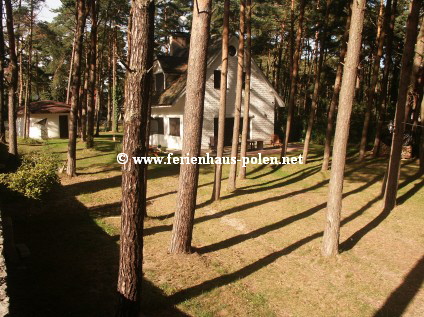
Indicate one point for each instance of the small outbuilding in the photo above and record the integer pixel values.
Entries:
(47, 120)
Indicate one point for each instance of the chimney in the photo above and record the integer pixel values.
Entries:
(179, 44)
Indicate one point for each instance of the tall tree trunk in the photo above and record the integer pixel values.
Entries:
(2, 103)
(71, 68)
(94, 5)
(83, 98)
(347, 93)
(335, 96)
(415, 87)
(137, 94)
(389, 18)
(99, 91)
(422, 140)
(239, 96)
(28, 92)
(109, 88)
(13, 83)
(379, 42)
(248, 65)
(193, 118)
(317, 82)
(115, 82)
(405, 76)
(294, 77)
(75, 87)
(19, 47)
(222, 102)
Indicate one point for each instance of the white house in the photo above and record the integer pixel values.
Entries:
(170, 73)
(47, 120)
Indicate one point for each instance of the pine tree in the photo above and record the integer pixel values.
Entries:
(193, 118)
(13, 82)
(294, 76)
(137, 94)
(94, 7)
(239, 95)
(2, 103)
(81, 15)
(222, 102)
(248, 65)
(399, 128)
(334, 205)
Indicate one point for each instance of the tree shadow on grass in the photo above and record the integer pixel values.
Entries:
(73, 266)
(400, 298)
(282, 223)
(349, 243)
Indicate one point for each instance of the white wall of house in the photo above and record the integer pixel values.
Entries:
(262, 103)
(167, 140)
(35, 129)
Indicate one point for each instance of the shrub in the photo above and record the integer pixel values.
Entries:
(36, 175)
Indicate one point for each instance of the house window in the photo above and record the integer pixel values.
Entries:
(174, 126)
(217, 79)
(156, 126)
(232, 50)
(159, 82)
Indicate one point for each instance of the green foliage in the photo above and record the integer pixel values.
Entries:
(36, 175)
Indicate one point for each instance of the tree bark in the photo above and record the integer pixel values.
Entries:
(28, 92)
(13, 83)
(294, 77)
(248, 65)
(114, 82)
(193, 119)
(399, 128)
(317, 83)
(71, 67)
(347, 94)
(239, 96)
(379, 42)
(2, 103)
(84, 97)
(382, 103)
(75, 87)
(222, 102)
(335, 96)
(94, 5)
(415, 88)
(137, 94)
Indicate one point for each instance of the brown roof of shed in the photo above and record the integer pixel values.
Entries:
(47, 106)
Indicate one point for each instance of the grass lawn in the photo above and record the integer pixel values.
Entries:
(257, 251)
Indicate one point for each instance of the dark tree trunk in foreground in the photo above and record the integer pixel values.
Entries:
(137, 93)
(347, 93)
(92, 74)
(222, 102)
(317, 83)
(335, 96)
(294, 77)
(389, 18)
(405, 76)
(248, 65)
(379, 42)
(75, 87)
(193, 119)
(13, 83)
(239, 96)
(2, 103)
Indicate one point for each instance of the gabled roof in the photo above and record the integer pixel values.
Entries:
(173, 64)
(178, 65)
(46, 106)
